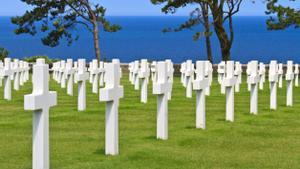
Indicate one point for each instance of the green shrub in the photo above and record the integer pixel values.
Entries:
(3, 53)
(47, 59)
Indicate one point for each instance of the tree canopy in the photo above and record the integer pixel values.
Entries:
(57, 18)
(285, 16)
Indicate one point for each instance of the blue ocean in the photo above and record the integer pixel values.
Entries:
(142, 37)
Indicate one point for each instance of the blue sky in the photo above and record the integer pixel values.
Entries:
(134, 8)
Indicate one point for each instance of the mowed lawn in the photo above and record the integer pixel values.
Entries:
(269, 140)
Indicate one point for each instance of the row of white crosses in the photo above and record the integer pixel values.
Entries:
(18, 71)
(141, 71)
(42, 99)
(188, 72)
(276, 74)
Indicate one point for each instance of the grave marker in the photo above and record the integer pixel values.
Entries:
(153, 71)
(289, 79)
(262, 72)
(62, 74)
(21, 68)
(296, 75)
(39, 102)
(69, 73)
(135, 75)
(144, 76)
(95, 73)
(75, 69)
(221, 75)
(253, 81)
(101, 71)
(170, 72)
(209, 76)
(189, 77)
(229, 82)
(200, 85)
(273, 78)
(238, 75)
(182, 72)
(280, 74)
(111, 94)
(1, 69)
(16, 71)
(82, 75)
(161, 88)
(6, 73)
(130, 69)
(91, 75)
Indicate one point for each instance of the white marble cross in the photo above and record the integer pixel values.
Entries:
(1, 69)
(253, 81)
(136, 79)
(39, 102)
(262, 75)
(296, 75)
(6, 73)
(75, 69)
(111, 94)
(280, 74)
(56, 75)
(130, 69)
(170, 72)
(273, 78)
(238, 74)
(144, 76)
(221, 75)
(117, 61)
(182, 72)
(16, 71)
(69, 75)
(153, 71)
(189, 77)
(91, 75)
(101, 73)
(62, 74)
(95, 73)
(229, 82)
(289, 77)
(21, 68)
(81, 75)
(27, 68)
(248, 72)
(161, 88)
(200, 84)
(209, 76)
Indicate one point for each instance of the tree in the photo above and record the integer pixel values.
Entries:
(200, 15)
(58, 18)
(285, 16)
(222, 12)
(3, 53)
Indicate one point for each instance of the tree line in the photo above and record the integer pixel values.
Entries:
(57, 19)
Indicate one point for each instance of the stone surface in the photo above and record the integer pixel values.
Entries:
(144, 74)
(289, 77)
(161, 88)
(273, 79)
(229, 83)
(111, 94)
(200, 85)
(39, 102)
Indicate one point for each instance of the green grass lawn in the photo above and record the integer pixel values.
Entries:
(269, 140)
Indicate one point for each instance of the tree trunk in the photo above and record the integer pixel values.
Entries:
(207, 32)
(96, 41)
(221, 33)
